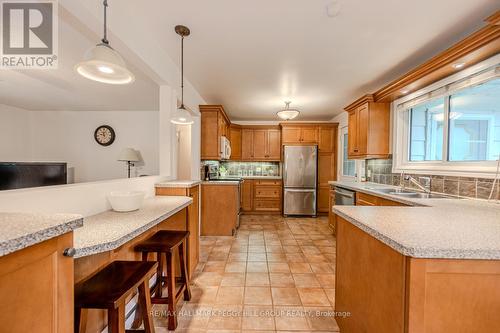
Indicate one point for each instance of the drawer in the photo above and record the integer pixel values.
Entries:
(268, 182)
(267, 205)
(263, 191)
(363, 199)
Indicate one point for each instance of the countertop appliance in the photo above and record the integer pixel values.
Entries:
(344, 197)
(225, 148)
(300, 178)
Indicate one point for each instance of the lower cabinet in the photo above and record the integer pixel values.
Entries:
(36, 288)
(261, 196)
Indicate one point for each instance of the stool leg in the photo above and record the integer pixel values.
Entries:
(184, 273)
(145, 305)
(159, 274)
(116, 319)
(172, 312)
(138, 310)
(80, 320)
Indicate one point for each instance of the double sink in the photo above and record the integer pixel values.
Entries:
(407, 193)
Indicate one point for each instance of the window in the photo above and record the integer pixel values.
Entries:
(451, 127)
(348, 166)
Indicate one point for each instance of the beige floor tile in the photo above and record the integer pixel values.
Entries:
(281, 280)
(321, 267)
(230, 295)
(291, 249)
(257, 280)
(285, 296)
(258, 296)
(237, 256)
(321, 319)
(305, 280)
(193, 316)
(299, 267)
(330, 293)
(208, 279)
(203, 295)
(295, 257)
(276, 257)
(313, 296)
(279, 267)
(258, 318)
(256, 249)
(253, 256)
(226, 317)
(257, 266)
(274, 249)
(233, 280)
(315, 258)
(326, 280)
(236, 267)
(291, 318)
(214, 266)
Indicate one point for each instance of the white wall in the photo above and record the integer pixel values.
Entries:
(15, 134)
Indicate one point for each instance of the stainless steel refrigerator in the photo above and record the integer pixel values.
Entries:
(300, 180)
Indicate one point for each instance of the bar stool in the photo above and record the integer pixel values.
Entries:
(110, 287)
(165, 242)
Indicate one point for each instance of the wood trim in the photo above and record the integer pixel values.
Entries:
(368, 98)
(275, 127)
(477, 47)
(300, 124)
(218, 108)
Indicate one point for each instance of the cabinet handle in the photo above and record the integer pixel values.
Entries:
(69, 252)
(355, 150)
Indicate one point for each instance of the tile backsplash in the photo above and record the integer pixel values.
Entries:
(381, 172)
(243, 169)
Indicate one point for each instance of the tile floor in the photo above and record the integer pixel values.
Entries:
(276, 275)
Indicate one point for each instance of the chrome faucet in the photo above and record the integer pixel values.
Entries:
(425, 180)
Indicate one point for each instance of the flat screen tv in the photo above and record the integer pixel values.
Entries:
(15, 175)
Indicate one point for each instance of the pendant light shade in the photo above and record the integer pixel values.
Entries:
(104, 64)
(181, 116)
(287, 113)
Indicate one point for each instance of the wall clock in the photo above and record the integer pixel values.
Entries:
(104, 135)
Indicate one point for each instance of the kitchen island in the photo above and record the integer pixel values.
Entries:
(433, 267)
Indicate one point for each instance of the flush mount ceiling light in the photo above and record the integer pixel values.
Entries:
(458, 65)
(104, 64)
(287, 113)
(182, 116)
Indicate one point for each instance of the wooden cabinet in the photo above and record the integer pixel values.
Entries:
(368, 131)
(261, 196)
(299, 133)
(235, 139)
(214, 124)
(332, 222)
(327, 139)
(36, 284)
(363, 199)
(260, 143)
(193, 222)
(219, 209)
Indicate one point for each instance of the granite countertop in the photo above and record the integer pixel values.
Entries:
(20, 230)
(110, 230)
(179, 183)
(446, 228)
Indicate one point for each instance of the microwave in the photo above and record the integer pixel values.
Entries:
(225, 148)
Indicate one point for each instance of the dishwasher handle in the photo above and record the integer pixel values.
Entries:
(344, 194)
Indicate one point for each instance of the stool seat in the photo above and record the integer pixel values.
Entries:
(162, 241)
(110, 286)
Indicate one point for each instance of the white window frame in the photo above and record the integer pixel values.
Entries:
(341, 175)
(442, 88)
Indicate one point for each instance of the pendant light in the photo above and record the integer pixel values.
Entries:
(287, 113)
(104, 64)
(181, 116)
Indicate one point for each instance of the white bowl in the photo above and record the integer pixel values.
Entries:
(126, 201)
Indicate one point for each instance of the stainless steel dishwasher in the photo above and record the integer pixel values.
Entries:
(344, 197)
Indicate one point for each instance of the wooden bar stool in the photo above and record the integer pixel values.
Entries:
(165, 242)
(109, 288)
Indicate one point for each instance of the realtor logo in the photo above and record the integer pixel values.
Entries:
(29, 34)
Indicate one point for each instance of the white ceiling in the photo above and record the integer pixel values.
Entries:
(251, 56)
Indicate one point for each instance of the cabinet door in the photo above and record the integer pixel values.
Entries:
(259, 144)
(274, 145)
(326, 168)
(323, 199)
(246, 144)
(326, 139)
(209, 136)
(363, 118)
(235, 138)
(290, 134)
(309, 134)
(352, 134)
(331, 215)
(194, 231)
(246, 196)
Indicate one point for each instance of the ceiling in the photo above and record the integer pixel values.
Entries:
(251, 56)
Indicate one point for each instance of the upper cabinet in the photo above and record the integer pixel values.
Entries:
(235, 139)
(368, 131)
(260, 143)
(299, 133)
(214, 125)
